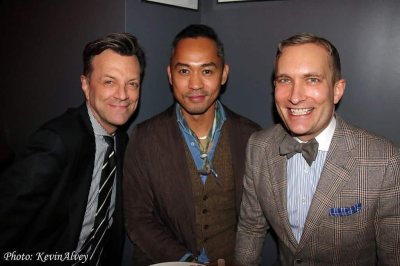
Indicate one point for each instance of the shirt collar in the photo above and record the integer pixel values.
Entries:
(97, 128)
(325, 137)
(219, 110)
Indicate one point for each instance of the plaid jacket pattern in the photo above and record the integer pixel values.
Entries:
(354, 217)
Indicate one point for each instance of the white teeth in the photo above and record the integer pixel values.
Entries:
(300, 111)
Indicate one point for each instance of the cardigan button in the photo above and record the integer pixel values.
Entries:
(204, 211)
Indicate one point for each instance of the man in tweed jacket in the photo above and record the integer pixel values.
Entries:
(344, 208)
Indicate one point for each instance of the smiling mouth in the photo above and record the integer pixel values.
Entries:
(119, 107)
(196, 95)
(300, 111)
(196, 98)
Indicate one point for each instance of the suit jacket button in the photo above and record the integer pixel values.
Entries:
(298, 261)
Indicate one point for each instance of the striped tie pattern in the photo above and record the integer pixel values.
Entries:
(98, 235)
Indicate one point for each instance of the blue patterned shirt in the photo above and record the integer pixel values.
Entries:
(194, 148)
(192, 142)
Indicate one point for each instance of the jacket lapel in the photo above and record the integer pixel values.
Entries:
(237, 148)
(177, 162)
(278, 175)
(81, 178)
(336, 173)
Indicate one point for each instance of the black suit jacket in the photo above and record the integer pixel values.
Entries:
(43, 196)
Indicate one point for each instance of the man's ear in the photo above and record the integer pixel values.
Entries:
(169, 74)
(85, 86)
(225, 73)
(338, 90)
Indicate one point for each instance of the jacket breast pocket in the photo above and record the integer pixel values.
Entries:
(345, 211)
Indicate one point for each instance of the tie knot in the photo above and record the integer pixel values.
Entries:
(299, 146)
(109, 140)
(290, 147)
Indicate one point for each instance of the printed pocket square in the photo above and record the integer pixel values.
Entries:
(345, 211)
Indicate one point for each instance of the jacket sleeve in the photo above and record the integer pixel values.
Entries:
(252, 226)
(26, 185)
(145, 227)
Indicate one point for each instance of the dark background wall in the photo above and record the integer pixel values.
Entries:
(41, 46)
(155, 25)
(42, 41)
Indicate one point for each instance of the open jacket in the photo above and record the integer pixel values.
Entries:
(361, 174)
(157, 187)
(43, 195)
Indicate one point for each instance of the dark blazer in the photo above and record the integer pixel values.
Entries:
(354, 217)
(157, 190)
(43, 196)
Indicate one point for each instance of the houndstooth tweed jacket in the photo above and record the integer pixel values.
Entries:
(354, 217)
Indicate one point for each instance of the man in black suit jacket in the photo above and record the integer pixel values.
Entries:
(49, 197)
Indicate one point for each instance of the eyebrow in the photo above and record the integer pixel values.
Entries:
(307, 75)
(108, 76)
(113, 77)
(282, 76)
(211, 64)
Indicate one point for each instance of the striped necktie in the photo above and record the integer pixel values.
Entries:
(98, 236)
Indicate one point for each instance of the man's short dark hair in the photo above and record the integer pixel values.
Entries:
(121, 43)
(199, 30)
